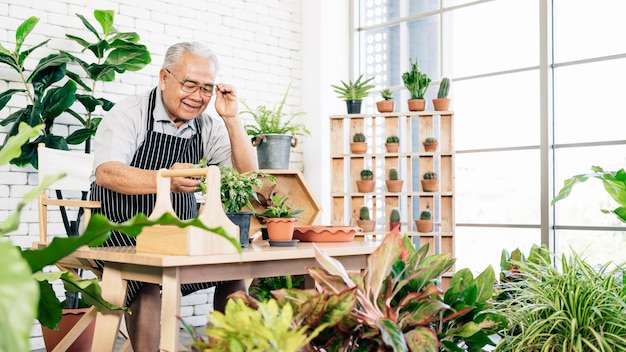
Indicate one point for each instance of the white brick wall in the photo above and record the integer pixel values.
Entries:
(258, 45)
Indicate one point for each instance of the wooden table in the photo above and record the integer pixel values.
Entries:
(259, 260)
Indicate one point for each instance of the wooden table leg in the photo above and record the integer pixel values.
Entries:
(108, 322)
(170, 308)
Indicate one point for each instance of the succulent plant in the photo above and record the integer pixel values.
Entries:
(430, 140)
(393, 174)
(415, 81)
(386, 93)
(356, 90)
(394, 216)
(393, 139)
(364, 213)
(444, 88)
(367, 175)
(430, 175)
(358, 137)
(426, 215)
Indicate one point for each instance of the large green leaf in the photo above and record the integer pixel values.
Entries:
(23, 31)
(105, 18)
(50, 69)
(58, 99)
(392, 335)
(11, 147)
(422, 339)
(6, 96)
(379, 263)
(131, 57)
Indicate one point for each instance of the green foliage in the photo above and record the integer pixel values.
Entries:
(444, 88)
(430, 140)
(393, 174)
(577, 307)
(394, 215)
(278, 208)
(358, 137)
(386, 94)
(415, 81)
(393, 139)
(614, 183)
(51, 89)
(426, 215)
(274, 120)
(262, 288)
(364, 213)
(356, 90)
(430, 175)
(237, 190)
(367, 175)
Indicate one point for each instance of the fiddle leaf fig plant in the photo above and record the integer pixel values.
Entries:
(52, 88)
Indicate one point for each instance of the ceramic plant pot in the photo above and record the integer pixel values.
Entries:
(424, 225)
(394, 185)
(358, 147)
(366, 225)
(280, 229)
(385, 105)
(417, 104)
(365, 186)
(430, 146)
(392, 147)
(431, 185)
(441, 104)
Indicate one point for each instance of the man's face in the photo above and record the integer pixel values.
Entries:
(191, 71)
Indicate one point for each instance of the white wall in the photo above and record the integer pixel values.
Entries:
(262, 46)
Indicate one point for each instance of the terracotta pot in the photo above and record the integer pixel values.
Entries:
(366, 225)
(394, 226)
(385, 105)
(431, 185)
(430, 146)
(417, 104)
(365, 186)
(392, 147)
(358, 147)
(441, 104)
(70, 317)
(424, 225)
(394, 185)
(280, 229)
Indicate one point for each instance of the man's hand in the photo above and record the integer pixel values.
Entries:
(183, 184)
(226, 100)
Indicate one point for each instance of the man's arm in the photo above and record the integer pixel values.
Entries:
(125, 179)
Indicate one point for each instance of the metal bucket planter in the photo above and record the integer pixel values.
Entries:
(273, 150)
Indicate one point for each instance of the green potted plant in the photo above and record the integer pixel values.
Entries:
(274, 133)
(45, 100)
(417, 83)
(392, 144)
(430, 182)
(393, 183)
(394, 220)
(366, 183)
(430, 144)
(425, 223)
(280, 218)
(354, 92)
(442, 102)
(358, 144)
(387, 104)
(364, 221)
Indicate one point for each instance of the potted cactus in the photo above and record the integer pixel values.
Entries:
(430, 144)
(359, 144)
(425, 223)
(442, 102)
(387, 104)
(393, 183)
(430, 182)
(417, 83)
(394, 220)
(392, 144)
(364, 221)
(366, 183)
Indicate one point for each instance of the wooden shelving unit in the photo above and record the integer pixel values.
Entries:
(411, 161)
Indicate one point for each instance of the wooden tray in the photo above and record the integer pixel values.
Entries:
(321, 233)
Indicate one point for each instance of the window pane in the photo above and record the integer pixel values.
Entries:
(476, 248)
(498, 187)
(583, 205)
(495, 36)
(596, 247)
(584, 102)
(380, 48)
(372, 12)
(498, 111)
(423, 43)
(584, 29)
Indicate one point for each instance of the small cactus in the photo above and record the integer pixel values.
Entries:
(367, 175)
(430, 175)
(393, 139)
(393, 174)
(364, 213)
(430, 140)
(394, 216)
(358, 137)
(426, 215)
(444, 88)
(386, 93)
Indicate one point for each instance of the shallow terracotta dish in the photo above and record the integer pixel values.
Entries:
(322, 233)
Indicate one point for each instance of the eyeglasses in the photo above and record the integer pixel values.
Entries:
(192, 87)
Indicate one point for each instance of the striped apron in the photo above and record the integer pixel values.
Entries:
(158, 151)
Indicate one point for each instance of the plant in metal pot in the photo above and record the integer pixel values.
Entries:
(272, 128)
(354, 92)
(417, 83)
(51, 88)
